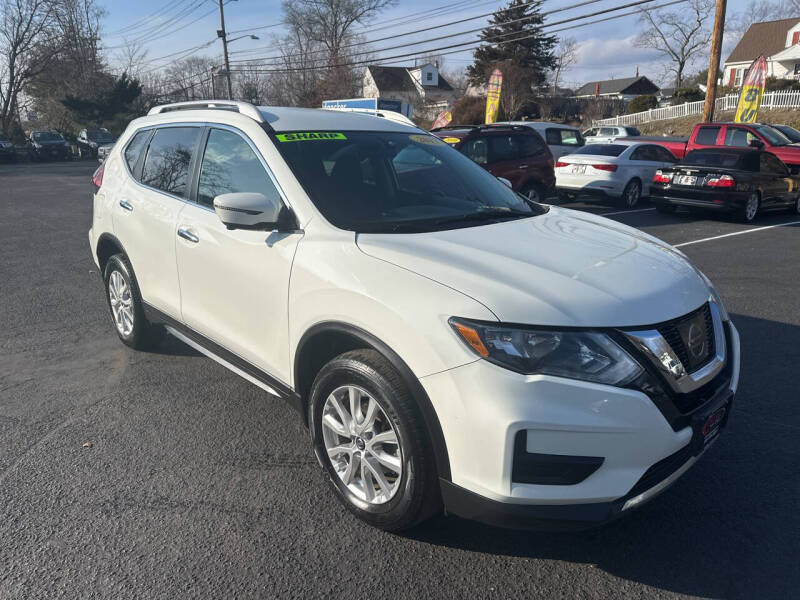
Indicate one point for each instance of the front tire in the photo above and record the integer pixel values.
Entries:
(631, 194)
(127, 309)
(370, 439)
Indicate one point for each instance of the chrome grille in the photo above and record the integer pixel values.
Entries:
(697, 325)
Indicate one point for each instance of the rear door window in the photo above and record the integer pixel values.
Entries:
(771, 164)
(707, 136)
(529, 145)
(166, 166)
(564, 137)
(477, 150)
(502, 148)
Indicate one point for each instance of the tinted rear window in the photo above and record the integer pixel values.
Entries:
(166, 166)
(602, 149)
(707, 136)
(724, 160)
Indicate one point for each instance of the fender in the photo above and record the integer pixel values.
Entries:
(431, 420)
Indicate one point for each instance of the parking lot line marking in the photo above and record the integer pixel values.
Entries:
(717, 237)
(623, 212)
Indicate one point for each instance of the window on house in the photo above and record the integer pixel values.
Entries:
(795, 37)
(429, 76)
(739, 77)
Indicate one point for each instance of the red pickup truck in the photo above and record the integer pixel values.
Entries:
(710, 135)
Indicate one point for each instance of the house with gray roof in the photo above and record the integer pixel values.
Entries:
(625, 88)
(422, 86)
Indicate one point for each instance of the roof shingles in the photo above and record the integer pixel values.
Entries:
(765, 38)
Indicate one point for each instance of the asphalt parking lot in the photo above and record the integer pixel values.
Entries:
(198, 484)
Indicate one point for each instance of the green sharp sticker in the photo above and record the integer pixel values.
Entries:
(307, 136)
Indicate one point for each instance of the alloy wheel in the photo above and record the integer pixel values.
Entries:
(119, 296)
(632, 193)
(362, 444)
(751, 208)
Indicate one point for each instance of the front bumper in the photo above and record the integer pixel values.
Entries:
(482, 409)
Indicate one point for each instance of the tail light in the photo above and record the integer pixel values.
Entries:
(722, 181)
(97, 178)
(604, 167)
(561, 163)
(659, 177)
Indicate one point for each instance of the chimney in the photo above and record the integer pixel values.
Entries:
(637, 70)
(597, 89)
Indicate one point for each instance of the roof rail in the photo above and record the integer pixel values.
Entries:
(243, 108)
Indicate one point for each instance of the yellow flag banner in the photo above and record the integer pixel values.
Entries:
(493, 96)
(752, 91)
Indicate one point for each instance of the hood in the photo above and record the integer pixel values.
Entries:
(562, 268)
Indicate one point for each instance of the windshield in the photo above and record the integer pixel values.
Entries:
(47, 136)
(396, 182)
(98, 135)
(704, 158)
(789, 132)
(602, 149)
(773, 136)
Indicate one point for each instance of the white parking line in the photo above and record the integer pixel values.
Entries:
(717, 237)
(624, 212)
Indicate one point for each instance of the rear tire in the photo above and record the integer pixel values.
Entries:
(795, 208)
(533, 192)
(631, 194)
(126, 307)
(388, 484)
(749, 212)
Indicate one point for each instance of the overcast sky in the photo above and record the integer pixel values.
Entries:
(606, 49)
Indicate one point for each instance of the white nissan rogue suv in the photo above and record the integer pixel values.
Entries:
(449, 344)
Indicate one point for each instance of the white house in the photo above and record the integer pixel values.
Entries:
(423, 87)
(778, 41)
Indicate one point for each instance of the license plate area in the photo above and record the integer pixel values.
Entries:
(578, 169)
(707, 424)
(686, 179)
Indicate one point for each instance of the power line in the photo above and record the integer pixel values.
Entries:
(452, 35)
(497, 38)
(144, 20)
(439, 51)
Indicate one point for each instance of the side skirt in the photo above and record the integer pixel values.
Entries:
(225, 357)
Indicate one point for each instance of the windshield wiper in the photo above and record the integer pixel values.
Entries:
(488, 214)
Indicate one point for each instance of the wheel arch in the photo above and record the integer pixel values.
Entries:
(324, 341)
(107, 246)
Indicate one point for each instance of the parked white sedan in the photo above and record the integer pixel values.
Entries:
(608, 133)
(622, 170)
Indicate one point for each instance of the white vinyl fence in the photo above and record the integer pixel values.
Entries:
(780, 99)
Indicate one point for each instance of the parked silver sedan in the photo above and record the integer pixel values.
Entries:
(622, 170)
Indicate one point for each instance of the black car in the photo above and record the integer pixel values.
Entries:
(741, 181)
(789, 132)
(7, 152)
(48, 145)
(89, 140)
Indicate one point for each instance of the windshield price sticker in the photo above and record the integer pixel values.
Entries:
(310, 136)
(425, 139)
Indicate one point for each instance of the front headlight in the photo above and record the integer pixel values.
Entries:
(586, 355)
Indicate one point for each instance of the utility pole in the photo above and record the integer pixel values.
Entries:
(221, 34)
(713, 60)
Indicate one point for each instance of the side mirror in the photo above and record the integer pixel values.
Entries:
(248, 210)
(755, 143)
(506, 181)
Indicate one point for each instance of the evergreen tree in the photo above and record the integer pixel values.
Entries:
(520, 19)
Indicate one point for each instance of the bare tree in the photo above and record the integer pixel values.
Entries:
(25, 26)
(680, 35)
(131, 59)
(566, 53)
(458, 79)
(329, 25)
(517, 91)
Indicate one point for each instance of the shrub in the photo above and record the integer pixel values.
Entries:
(642, 103)
(688, 94)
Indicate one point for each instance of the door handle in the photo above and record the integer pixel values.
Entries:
(523, 167)
(126, 205)
(188, 235)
